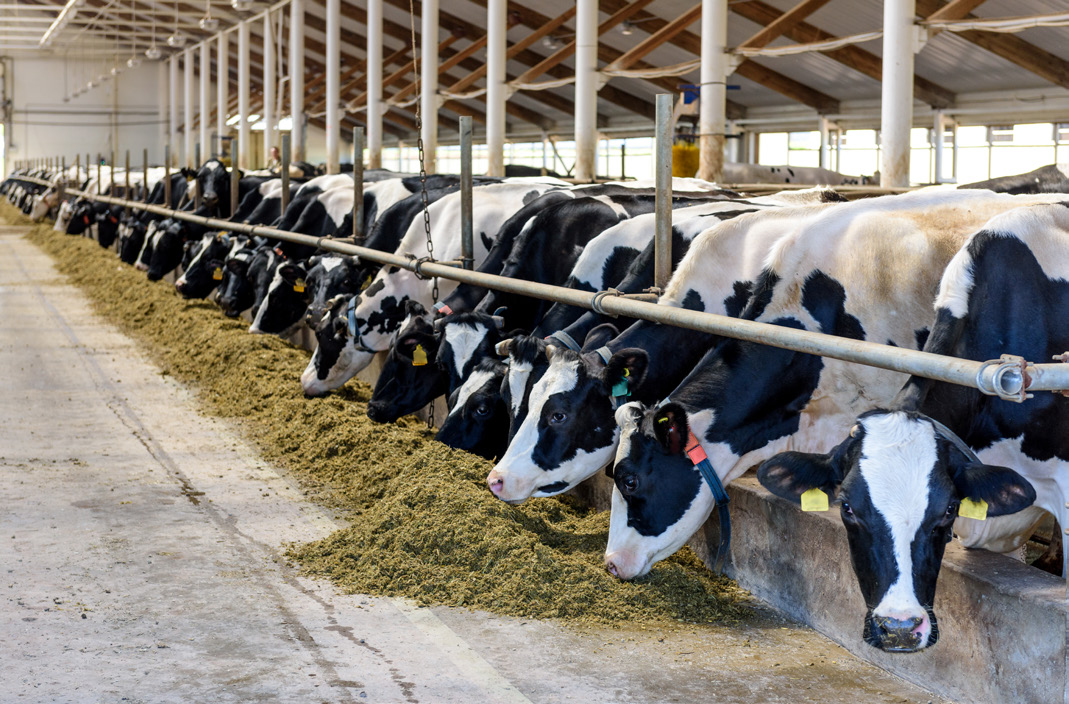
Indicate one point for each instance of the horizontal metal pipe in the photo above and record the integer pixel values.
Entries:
(964, 372)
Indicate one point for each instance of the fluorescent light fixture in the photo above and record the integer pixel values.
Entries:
(65, 15)
(285, 124)
(233, 120)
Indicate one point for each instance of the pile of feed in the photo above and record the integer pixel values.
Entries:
(422, 523)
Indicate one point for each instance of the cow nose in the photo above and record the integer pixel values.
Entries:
(611, 568)
(180, 286)
(496, 483)
(377, 411)
(898, 635)
(211, 199)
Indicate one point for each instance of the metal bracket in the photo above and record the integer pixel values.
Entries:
(1064, 358)
(921, 38)
(1005, 377)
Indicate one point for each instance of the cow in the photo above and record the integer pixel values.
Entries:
(864, 270)
(329, 275)
(235, 291)
(205, 270)
(403, 385)
(1053, 178)
(478, 419)
(281, 310)
(379, 310)
(812, 175)
(906, 472)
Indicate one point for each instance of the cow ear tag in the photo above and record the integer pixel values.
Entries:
(218, 273)
(814, 500)
(298, 286)
(620, 387)
(367, 282)
(973, 509)
(419, 356)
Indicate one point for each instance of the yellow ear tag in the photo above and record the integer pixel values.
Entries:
(973, 509)
(367, 282)
(419, 356)
(814, 500)
(218, 274)
(298, 286)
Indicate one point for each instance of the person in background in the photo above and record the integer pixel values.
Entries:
(275, 162)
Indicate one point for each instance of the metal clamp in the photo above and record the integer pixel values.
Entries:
(1004, 377)
(595, 304)
(418, 269)
(1063, 357)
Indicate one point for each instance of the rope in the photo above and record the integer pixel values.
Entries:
(827, 45)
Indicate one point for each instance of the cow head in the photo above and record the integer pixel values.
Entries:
(213, 184)
(131, 240)
(108, 225)
(168, 248)
(409, 378)
(235, 291)
(83, 214)
(478, 417)
(569, 432)
(329, 276)
(205, 270)
(337, 357)
(900, 485)
(654, 500)
(282, 308)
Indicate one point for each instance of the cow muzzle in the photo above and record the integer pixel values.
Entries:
(893, 634)
(625, 565)
(497, 485)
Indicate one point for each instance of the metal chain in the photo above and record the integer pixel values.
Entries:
(419, 145)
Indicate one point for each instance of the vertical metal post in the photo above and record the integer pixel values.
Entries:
(144, 184)
(296, 60)
(623, 159)
(497, 28)
(126, 192)
(428, 82)
(285, 171)
(662, 261)
(467, 241)
(222, 86)
(172, 84)
(713, 97)
(896, 113)
(187, 107)
(239, 157)
(586, 90)
(100, 173)
(332, 60)
(268, 112)
(77, 169)
(205, 97)
(235, 179)
(167, 175)
(937, 145)
(358, 184)
(374, 84)
(196, 194)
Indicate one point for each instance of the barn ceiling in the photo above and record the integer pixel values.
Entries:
(950, 63)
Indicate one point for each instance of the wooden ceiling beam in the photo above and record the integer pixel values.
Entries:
(662, 35)
(782, 24)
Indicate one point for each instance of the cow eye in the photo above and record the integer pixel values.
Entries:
(558, 418)
(629, 484)
(481, 411)
(951, 510)
(846, 510)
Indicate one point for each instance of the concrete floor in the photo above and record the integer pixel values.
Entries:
(141, 548)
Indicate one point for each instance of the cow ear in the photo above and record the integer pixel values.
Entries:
(788, 475)
(290, 273)
(1004, 490)
(671, 429)
(599, 336)
(628, 365)
(413, 307)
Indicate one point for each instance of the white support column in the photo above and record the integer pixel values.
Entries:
(187, 109)
(586, 89)
(937, 145)
(954, 174)
(222, 86)
(333, 57)
(896, 115)
(268, 114)
(497, 29)
(712, 110)
(824, 126)
(296, 61)
(839, 149)
(374, 83)
(205, 99)
(751, 147)
(172, 82)
(733, 146)
(163, 92)
(429, 83)
(244, 133)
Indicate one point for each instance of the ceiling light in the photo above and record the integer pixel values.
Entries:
(209, 24)
(176, 41)
(153, 52)
(626, 28)
(133, 62)
(241, 5)
(116, 70)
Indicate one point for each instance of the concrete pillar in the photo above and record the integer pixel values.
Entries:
(429, 83)
(244, 133)
(824, 126)
(937, 146)
(497, 28)
(751, 147)
(712, 108)
(187, 109)
(205, 99)
(296, 61)
(222, 86)
(333, 57)
(172, 66)
(896, 114)
(268, 114)
(586, 89)
(374, 83)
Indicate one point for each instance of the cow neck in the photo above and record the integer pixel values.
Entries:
(701, 462)
(350, 312)
(569, 342)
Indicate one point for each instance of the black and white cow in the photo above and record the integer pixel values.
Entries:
(207, 265)
(715, 276)
(329, 275)
(282, 309)
(235, 292)
(380, 308)
(864, 270)
(478, 419)
(901, 479)
(1053, 178)
(402, 386)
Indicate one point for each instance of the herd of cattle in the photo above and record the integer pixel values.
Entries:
(554, 393)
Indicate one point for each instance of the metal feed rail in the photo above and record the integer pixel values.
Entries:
(1010, 377)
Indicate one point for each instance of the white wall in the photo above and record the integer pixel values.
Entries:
(120, 112)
